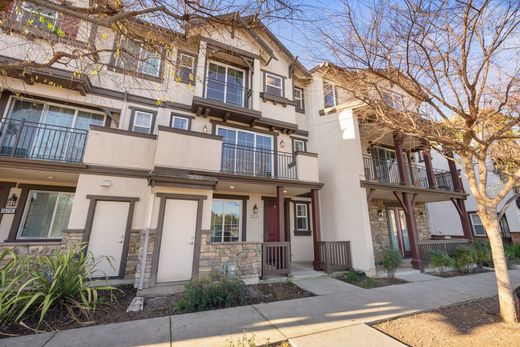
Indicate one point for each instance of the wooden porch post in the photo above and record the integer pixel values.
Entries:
(398, 144)
(316, 233)
(408, 202)
(460, 205)
(280, 203)
(427, 155)
(457, 184)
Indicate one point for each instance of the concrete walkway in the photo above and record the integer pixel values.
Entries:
(337, 316)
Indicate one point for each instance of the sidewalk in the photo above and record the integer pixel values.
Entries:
(337, 316)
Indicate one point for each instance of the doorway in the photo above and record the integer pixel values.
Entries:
(271, 230)
(398, 229)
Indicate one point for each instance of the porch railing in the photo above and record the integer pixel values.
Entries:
(335, 256)
(227, 92)
(253, 161)
(23, 139)
(276, 258)
(387, 171)
(448, 246)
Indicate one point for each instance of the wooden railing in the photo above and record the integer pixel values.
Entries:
(335, 256)
(276, 258)
(448, 246)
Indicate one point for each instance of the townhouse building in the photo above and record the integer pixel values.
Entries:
(236, 158)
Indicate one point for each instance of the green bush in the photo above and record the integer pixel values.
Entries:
(211, 293)
(352, 277)
(482, 254)
(441, 260)
(512, 251)
(34, 286)
(392, 258)
(370, 283)
(464, 256)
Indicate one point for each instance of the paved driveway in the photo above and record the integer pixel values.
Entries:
(337, 317)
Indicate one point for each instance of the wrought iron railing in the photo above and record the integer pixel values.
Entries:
(23, 139)
(251, 161)
(228, 92)
(387, 171)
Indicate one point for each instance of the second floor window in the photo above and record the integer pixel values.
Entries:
(179, 122)
(298, 98)
(133, 57)
(298, 145)
(330, 95)
(186, 68)
(273, 84)
(37, 17)
(142, 122)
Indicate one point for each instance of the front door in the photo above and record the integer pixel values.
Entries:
(398, 229)
(272, 233)
(177, 241)
(107, 236)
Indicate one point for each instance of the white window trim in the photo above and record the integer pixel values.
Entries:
(301, 104)
(240, 221)
(335, 101)
(192, 67)
(306, 216)
(273, 86)
(181, 117)
(225, 82)
(150, 130)
(140, 60)
(473, 226)
(26, 211)
(24, 8)
(46, 104)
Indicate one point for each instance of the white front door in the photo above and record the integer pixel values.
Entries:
(177, 241)
(108, 235)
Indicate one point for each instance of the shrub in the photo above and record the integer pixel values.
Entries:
(352, 277)
(392, 258)
(464, 256)
(209, 294)
(11, 276)
(482, 253)
(441, 260)
(370, 283)
(60, 281)
(512, 251)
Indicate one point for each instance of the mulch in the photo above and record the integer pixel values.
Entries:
(372, 282)
(455, 273)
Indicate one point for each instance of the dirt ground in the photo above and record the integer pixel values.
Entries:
(372, 282)
(453, 273)
(114, 311)
(471, 324)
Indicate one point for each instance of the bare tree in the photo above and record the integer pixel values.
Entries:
(456, 62)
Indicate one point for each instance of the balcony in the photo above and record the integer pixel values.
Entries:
(28, 140)
(387, 172)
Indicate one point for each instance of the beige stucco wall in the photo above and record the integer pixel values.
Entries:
(119, 150)
(307, 168)
(188, 151)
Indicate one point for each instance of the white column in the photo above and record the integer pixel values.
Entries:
(199, 75)
(256, 85)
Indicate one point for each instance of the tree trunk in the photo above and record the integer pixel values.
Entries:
(506, 297)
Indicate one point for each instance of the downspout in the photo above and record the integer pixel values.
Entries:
(148, 225)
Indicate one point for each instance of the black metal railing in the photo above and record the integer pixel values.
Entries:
(251, 161)
(23, 139)
(387, 171)
(232, 93)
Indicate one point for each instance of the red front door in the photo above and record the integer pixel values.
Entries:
(271, 221)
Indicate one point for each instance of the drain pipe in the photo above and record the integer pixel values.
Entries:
(148, 225)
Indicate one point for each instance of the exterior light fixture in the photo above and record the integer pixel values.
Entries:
(12, 200)
(285, 191)
(232, 187)
(380, 214)
(255, 209)
(205, 129)
(282, 144)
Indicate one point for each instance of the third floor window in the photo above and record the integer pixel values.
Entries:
(273, 85)
(133, 57)
(225, 83)
(330, 94)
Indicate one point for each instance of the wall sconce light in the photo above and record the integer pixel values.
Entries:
(12, 200)
(255, 209)
(380, 214)
(205, 129)
(369, 149)
(421, 214)
(282, 144)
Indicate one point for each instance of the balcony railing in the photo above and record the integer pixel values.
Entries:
(227, 92)
(23, 139)
(387, 171)
(253, 161)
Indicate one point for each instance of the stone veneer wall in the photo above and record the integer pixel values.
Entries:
(379, 228)
(241, 258)
(138, 252)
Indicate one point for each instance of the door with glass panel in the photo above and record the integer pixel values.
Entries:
(45, 215)
(225, 83)
(246, 152)
(398, 229)
(385, 165)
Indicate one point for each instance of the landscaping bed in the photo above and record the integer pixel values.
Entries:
(473, 323)
(365, 282)
(113, 310)
(455, 273)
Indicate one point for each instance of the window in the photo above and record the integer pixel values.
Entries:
(298, 98)
(273, 84)
(49, 130)
(133, 57)
(186, 68)
(46, 214)
(225, 83)
(179, 122)
(478, 228)
(37, 17)
(301, 211)
(330, 94)
(142, 122)
(298, 145)
(504, 226)
(226, 220)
